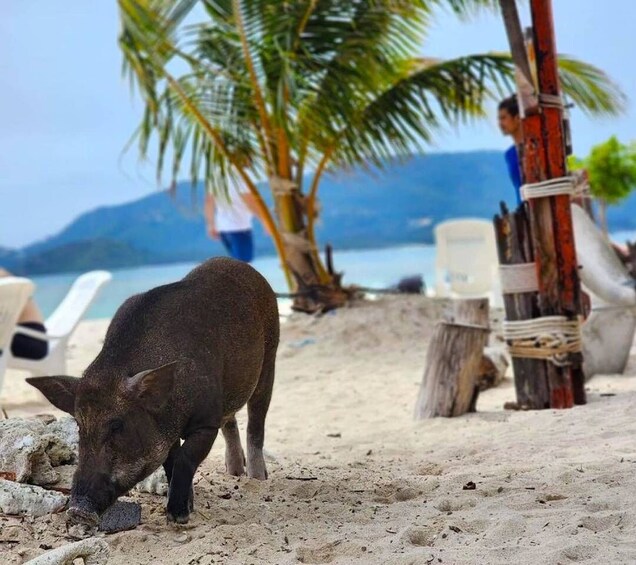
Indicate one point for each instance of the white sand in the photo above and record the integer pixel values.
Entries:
(551, 487)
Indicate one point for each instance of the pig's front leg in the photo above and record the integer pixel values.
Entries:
(168, 464)
(186, 460)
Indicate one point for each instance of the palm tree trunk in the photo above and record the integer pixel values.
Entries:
(314, 292)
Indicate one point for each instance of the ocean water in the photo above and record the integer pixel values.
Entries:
(374, 268)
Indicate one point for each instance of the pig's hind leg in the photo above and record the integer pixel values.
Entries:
(186, 461)
(257, 407)
(234, 456)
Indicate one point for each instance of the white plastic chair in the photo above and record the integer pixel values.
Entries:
(61, 324)
(14, 294)
(466, 264)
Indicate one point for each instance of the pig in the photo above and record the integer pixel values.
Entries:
(176, 365)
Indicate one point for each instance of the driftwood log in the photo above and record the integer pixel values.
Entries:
(450, 386)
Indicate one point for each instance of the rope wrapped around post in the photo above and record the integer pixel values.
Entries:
(551, 101)
(570, 185)
(281, 186)
(552, 338)
(298, 242)
(518, 278)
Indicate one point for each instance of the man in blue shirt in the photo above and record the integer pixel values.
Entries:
(510, 124)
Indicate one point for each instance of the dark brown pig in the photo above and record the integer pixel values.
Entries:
(177, 364)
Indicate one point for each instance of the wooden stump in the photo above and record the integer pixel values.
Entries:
(449, 386)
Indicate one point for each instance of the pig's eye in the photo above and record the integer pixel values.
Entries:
(116, 426)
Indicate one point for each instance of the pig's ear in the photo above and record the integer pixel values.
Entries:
(60, 391)
(153, 387)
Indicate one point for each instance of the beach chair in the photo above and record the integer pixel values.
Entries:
(14, 294)
(466, 264)
(61, 324)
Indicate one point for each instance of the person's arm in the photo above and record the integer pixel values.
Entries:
(252, 205)
(208, 212)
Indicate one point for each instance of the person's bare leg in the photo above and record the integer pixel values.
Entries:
(31, 313)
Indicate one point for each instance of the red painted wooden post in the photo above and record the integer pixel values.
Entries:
(555, 254)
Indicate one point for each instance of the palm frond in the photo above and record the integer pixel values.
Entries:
(333, 76)
(428, 95)
(466, 9)
(590, 88)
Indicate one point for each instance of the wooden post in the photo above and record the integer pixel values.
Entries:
(449, 385)
(514, 245)
(551, 219)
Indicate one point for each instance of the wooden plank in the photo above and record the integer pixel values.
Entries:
(514, 246)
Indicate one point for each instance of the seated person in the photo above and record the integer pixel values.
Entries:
(25, 346)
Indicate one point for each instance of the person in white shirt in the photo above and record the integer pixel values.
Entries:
(229, 219)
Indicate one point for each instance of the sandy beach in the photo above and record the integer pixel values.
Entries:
(353, 479)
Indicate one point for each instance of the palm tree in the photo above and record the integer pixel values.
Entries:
(259, 89)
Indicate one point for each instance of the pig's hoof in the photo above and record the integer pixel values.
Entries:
(180, 513)
(256, 469)
(235, 462)
(81, 523)
(174, 518)
(236, 470)
(78, 515)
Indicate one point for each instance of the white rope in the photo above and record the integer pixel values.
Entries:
(550, 337)
(280, 185)
(574, 185)
(297, 242)
(551, 101)
(518, 278)
(551, 187)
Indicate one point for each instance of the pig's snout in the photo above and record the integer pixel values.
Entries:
(82, 513)
(90, 496)
(82, 518)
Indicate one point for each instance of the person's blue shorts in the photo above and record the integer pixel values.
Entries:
(239, 244)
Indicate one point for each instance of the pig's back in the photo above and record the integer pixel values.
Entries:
(238, 294)
(223, 313)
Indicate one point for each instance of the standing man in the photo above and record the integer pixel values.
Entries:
(510, 124)
(229, 219)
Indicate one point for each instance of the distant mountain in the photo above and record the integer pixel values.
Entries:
(360, 209)
(86, 254)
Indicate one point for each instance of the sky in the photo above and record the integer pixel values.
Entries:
(66, 113)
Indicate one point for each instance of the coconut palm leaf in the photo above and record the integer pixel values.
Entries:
(429, 95)
(590, 88)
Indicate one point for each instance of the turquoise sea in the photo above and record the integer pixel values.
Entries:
(375, 268)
